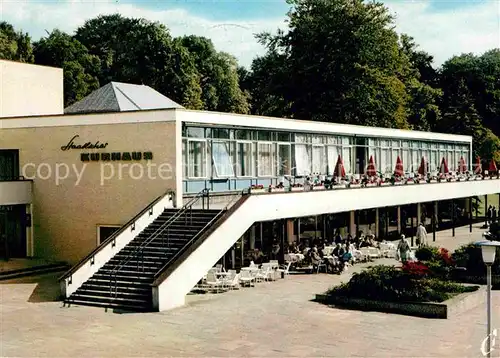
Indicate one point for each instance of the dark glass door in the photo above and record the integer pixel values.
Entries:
(13, 231)
(9, 164)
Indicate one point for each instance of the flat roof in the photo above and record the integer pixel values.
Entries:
(223, 119)
(295, 125)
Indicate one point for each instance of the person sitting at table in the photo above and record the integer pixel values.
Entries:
(339, 252)
(315, 258)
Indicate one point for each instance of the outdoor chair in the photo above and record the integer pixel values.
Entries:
(246, 278)
(264, 273)
(284, 269)
(213, 283)
(232, 282)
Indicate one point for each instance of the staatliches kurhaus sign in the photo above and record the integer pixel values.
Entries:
(103, 156)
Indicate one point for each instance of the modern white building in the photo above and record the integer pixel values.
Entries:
(144, 196)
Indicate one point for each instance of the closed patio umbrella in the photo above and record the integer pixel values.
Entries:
(443, 169)
(462, 167)
(422, 169)
(371, 171)
(339, 168)
(493, 167)
(399, 170)
(478, 166)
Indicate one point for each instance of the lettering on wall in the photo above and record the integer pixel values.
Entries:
(106, 157)
(89, 145)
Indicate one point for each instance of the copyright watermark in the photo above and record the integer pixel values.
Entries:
(488, 347)
(62, 172)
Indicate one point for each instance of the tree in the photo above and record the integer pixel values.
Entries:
(15, 46)
(142, 52)
(341, 61)
(80, 68)
(420, 79)
(218, 76)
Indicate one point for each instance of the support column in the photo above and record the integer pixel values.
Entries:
(298, 230)
(377, 223)
(352, 224)
(419, 214)
(411, 230)
(486, 210)
(453, 214)
(399, 220)
(289, 232)
(252, 237)
(434, 220)
(470, 214)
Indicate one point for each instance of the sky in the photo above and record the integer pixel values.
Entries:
(441, 27)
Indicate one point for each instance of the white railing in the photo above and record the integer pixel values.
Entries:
(86, 268)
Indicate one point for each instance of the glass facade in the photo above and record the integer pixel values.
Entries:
(224, 159)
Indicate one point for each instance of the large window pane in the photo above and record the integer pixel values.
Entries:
(265, 163)
(283, 137)
(244, 134)
(385, 161)
(284, 159)
(347, 158)
(302, 159)
(244, 167)
(197, 159)
(318, 160)
(333, 155)
(221, 156)
(195, 132)
(264, 135)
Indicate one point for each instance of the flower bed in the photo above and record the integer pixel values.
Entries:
(383, 286)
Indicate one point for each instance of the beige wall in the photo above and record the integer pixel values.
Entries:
(66, 214)
(28, 90)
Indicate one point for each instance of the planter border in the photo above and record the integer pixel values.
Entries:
(449, 308)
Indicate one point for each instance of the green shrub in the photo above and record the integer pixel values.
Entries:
(427, 253)
(388, 283)
(470, 257)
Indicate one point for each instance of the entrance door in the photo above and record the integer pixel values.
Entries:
(13, 231)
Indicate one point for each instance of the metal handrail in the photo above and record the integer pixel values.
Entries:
(165, 226)
(113, 236)
(200, 232)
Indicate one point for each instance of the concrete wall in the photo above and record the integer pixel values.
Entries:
(261, 207)
(72, 197)
(16, 192)
(29, 90)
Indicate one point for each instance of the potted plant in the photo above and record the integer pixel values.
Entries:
(318, 186)
(410, 181)
(280, 188)
(384, 182)
(257, 189)
(297, 187)
(354, 183)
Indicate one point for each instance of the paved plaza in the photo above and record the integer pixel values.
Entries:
(276, 319)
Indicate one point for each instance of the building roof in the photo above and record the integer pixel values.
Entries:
(122, 97)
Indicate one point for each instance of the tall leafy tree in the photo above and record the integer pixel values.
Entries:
(141, 51)
(15, 45)
(343, 63)
(80, 68)
(218, 76)
(420, 79)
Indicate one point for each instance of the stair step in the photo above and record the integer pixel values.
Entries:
(110, 294)
(119, 282)
(124, 278)
(123, 289)
(124, 301)
(131, 273)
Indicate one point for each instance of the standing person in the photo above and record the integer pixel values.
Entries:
(494, 215)
(421, 235)
(489, 212)
(404, 249)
